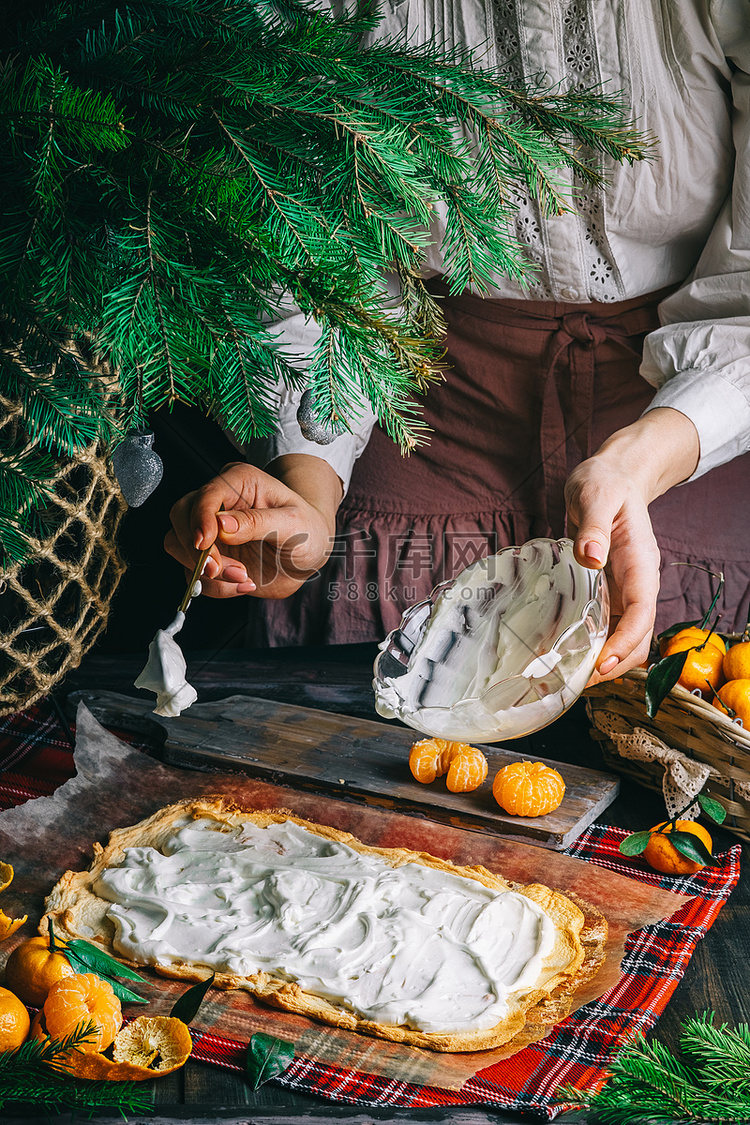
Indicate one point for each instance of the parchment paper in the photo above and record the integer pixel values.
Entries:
(117, 785)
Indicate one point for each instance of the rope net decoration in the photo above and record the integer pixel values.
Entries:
(55, 604)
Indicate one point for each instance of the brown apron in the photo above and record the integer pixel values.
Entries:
(532, 388)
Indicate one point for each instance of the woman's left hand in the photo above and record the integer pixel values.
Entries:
(607, 499)
(609, 523)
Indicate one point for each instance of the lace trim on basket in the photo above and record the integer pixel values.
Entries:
(580, 65)
(684, 777)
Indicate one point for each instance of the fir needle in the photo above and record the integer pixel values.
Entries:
(193, 579)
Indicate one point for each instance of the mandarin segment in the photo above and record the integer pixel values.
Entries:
(467, 770)
(661, 854)
(465, 765)
(80, 1000)
(528, 789)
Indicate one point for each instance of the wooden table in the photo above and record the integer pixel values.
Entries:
(339, 680)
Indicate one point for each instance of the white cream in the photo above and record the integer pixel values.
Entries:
(165, 671)
(411, 945)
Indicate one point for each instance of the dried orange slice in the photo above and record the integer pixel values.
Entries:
(8, 925)
(148, 1047)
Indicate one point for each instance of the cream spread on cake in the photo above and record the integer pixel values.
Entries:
(410, 945)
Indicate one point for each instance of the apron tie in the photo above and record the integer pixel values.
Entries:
(567, 394)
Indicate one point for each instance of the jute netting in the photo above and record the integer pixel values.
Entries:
(55, 604)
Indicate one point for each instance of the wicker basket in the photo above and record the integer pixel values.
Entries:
(687, 724)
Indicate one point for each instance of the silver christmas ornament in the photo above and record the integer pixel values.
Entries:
(312, 429)
(137, 467)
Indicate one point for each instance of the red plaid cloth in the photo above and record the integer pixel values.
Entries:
(36, 756)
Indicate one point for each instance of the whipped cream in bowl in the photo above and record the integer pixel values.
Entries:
(500, 651)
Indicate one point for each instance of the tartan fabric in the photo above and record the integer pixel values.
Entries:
(577, 1051)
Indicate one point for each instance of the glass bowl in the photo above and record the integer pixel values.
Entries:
(498, 652)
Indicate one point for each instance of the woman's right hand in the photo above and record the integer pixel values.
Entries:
(266, 539)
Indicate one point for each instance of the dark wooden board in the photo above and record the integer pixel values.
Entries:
(346, 757)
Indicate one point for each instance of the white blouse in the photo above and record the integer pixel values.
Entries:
(684, 65)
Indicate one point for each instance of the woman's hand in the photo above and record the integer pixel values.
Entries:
(607, 498)
(609, 522)
(266, 538)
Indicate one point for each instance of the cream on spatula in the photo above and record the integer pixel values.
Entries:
(165, 669)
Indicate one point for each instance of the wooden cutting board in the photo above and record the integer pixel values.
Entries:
(348, 758)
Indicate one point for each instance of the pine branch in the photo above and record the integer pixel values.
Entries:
(174, 170)
(648, 1085)
(63, 406)
(721, 1053)
(34, 1074)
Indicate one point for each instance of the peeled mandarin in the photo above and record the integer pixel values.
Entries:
(528, 789)
(465, 765)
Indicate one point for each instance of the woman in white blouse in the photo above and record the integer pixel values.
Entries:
(570, 415)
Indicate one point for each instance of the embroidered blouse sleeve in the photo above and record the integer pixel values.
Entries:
(298, 336)
(700, 358)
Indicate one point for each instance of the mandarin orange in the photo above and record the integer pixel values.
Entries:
(736, 664)
(32, 969)
(695, 636)
(78, 1001)
(528, 789)
(702, 664)
(663, 856)
(14, 1021)
(428, 759)
(735, 696)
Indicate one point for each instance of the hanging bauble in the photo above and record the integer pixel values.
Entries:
(312, 429)
(137, 467)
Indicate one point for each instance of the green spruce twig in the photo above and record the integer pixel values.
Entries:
(175, 175)
(34, 1074)
(648, 1085)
